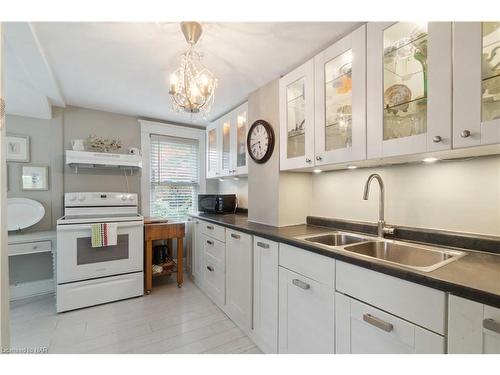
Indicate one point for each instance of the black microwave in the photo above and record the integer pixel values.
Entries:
(217, 203)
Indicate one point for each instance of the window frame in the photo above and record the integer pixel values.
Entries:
(149, 128)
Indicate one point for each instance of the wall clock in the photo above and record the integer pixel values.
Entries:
(260, 141)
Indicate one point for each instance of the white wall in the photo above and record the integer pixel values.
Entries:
(452, 195)
(239, 187)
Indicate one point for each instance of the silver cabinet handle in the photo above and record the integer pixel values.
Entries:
(301, 284)
(308, 160)
(263, 245)
(210, 227)
(210, 242)
(491, 325)
(465, 133)
(237, 236)
(210, 268)
(437, 139)
(319, 158)
(379, 323)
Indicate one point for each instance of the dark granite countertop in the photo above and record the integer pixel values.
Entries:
(475, 276)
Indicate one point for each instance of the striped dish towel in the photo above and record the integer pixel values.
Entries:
(104, 234)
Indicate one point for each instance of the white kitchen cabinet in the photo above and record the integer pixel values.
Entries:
(225, 131)
(340, 100)
(213, 150)
(296, 102)
(306, 314)
(239, 131)
(198, 252)
(226, 144)
(363, 329)
(239, 278)
(214, 269)
(409, 88)
(473, 328)
(265, 295)
(476, 85)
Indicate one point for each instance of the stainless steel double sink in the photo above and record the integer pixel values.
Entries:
(418, 257)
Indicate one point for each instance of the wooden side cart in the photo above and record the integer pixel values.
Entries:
(158, 229)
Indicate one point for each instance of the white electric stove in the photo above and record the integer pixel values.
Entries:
(89, 275)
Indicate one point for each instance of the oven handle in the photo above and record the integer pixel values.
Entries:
(128, 224)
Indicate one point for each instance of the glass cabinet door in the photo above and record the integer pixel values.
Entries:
(226, 146)
(212, 152)
(409, 88)
(296, 118)
(476, 89)
(240, 124)
(340, 100)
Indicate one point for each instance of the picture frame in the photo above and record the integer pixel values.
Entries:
(17, 148)
(35, 177)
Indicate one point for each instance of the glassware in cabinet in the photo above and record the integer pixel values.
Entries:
(296, 119)
(405, 80)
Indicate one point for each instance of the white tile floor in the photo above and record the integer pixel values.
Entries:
(170, 320)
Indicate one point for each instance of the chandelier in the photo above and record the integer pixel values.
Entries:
(192, 86)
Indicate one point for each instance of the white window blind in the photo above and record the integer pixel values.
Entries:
(174, 176)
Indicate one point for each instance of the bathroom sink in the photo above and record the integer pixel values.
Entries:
(335, 239)
(416, 257)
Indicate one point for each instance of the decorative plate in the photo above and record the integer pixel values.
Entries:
(396, 98)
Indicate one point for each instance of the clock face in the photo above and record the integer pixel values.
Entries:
(260, 141)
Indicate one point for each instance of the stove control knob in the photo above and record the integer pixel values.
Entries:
(72, 198)
(130, 197)
(123, 197)
(81, 198)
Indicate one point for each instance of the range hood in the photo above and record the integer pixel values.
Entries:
(90, 159)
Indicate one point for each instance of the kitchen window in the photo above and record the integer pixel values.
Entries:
(174, 176)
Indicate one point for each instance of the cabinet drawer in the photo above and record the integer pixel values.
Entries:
(213, 230)
(418, 304)
(214, 248)
(214, 281)
(314, 266)
(29, 247)
(364, 329)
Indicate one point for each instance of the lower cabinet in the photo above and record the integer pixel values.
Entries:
(239, 278)
(265, 295)
(306, 301)
(363, 329)
(215, 269)
(198, 250)
(473, 328)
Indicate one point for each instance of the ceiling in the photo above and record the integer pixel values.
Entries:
(124, 67)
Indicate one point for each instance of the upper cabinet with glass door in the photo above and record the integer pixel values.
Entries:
(239, 140)
(225, 132)
(340, 100)
(409, 84)
(213, 150)
(296, 98)
(476, 85)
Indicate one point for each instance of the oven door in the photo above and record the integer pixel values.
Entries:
(78, 260)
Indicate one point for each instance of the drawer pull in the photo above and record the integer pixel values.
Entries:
(263, 245)
(210, 268)
(384, 326)
(301, 284)
(491, 325)
(210, 242)
(210, 227)
(237, 236)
